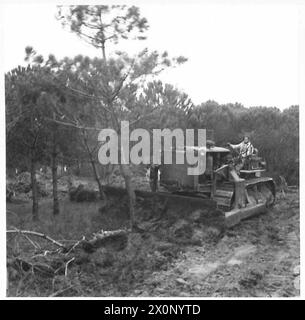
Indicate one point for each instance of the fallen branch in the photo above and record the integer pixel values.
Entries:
(45, 253)
(76, 244)
(37, 234)
(27, 266)
(31, 242)
(116, 239)
(55, 294)
(67, 264)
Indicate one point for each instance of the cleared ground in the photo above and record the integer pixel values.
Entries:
(259, 258)
(174, 256)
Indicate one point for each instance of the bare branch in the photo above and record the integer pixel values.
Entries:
(67, 264)
(55, 294)
(37, 234)
(73, 125)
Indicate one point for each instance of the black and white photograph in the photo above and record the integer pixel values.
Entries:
(152, 149)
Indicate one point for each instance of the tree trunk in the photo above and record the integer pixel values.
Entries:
(54, 183)
(35, 216)
(125, 171)
(97, 179)
(54, 171)
(104, 51)
(94, 169)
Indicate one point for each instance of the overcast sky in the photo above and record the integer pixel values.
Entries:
(236, 53)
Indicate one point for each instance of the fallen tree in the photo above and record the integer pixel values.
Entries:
(56, 257)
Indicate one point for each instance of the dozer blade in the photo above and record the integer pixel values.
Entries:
(235, 216)
(261, 195)
(177, 205)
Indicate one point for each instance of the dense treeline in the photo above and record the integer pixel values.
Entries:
(274, 132)
(56, 108)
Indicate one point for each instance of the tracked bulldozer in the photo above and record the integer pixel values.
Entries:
(222, 195)
(226, 195)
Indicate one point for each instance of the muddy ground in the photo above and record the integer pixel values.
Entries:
(170, 255)
(258, 258)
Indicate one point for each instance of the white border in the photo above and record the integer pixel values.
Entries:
(301, 5)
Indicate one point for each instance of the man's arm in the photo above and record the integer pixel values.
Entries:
(235, 146)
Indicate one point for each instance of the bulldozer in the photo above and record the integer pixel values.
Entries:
(223, 195)
(229, 195)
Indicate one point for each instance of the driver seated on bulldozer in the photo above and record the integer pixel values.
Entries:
(246, 151)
